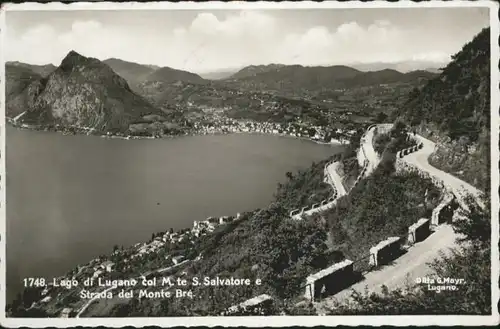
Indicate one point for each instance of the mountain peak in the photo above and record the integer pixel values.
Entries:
(73, 59)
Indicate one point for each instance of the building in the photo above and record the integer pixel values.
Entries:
(65, 312)
(108, 266)
(46, 299)
(177, 259)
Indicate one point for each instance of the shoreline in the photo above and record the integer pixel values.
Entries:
(193, 225)
(85, 132)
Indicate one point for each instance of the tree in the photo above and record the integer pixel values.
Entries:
(475, 224)
(381, 117)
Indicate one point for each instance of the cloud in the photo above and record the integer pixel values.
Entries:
(210, 42)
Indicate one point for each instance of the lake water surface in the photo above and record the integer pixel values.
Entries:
(72, 198)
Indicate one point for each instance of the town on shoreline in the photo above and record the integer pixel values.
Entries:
(219, 125)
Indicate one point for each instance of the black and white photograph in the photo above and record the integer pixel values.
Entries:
(250, 164)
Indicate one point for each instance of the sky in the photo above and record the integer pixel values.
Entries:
(205, 41)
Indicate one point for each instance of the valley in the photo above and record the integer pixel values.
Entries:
(391, 172)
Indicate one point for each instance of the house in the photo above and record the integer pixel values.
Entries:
(65, 312)
(212, 220)
(157, 243)
(177, 259)
(97, 273)
(45, 291)
(224, 219)
(108, 265)
(46, 299)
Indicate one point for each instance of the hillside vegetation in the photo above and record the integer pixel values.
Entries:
(470, 262)
(380, 206)
(304, 188)
(267, 245)
(454, 110)
(42, 70)
(17, 79)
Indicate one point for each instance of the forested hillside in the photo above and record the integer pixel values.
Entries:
(454, 110)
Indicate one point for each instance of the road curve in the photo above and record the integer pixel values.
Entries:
(405, 270)
(457, 186)
(415, 262)
(336, 179)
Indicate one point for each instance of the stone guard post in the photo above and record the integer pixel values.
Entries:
(328, 278)
(419, 231)
(378, 252)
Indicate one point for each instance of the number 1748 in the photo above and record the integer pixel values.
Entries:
(34, 282)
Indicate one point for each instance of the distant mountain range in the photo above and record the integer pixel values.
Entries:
(218, 74)
(113, 94)
(42, 70)
(272, 76)
(136, 74)
(404, 67)
(317, 78)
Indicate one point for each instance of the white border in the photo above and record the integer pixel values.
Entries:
(272, 321)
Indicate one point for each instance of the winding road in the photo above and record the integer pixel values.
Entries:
(415, 262)
(460, 188)
(336, 181)
(335, 178)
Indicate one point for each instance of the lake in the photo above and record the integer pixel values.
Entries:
(72, 198)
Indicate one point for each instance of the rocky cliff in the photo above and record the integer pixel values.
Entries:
(83, 92)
